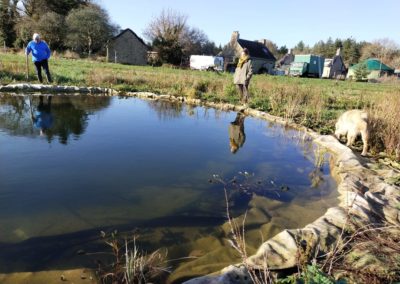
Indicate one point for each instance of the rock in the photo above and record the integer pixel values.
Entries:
(278, 253)
(230, 275)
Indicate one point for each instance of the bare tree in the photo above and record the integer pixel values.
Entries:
(384, 49)
(166, 33)
(193, 41)
(169, 25)
(174, 40)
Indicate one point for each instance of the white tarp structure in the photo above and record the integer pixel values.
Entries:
(206, 62)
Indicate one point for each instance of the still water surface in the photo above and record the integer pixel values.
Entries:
(72, 166)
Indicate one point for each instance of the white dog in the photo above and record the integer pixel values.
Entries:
(352, 123)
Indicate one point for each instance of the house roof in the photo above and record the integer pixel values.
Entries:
(374, 64)
(256, 49)
(129, 31)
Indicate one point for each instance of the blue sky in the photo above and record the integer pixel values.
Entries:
(285, 22)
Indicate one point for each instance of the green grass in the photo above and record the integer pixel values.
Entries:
(314, 103)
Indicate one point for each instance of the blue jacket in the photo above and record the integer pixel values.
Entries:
(40, 51)
(43, 120)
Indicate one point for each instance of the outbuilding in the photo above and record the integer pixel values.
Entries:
(334, 68)
(375, 68)
(127, 48)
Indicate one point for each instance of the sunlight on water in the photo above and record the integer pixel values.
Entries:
(72, 166)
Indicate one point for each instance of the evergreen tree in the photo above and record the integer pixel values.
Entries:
(36, 8)
(300, 46)
(283, 50)
(63, 7)
(361, 72)
(330, 48)
(338, 43)
(319, 48)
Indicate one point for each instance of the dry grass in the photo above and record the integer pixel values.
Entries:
(369, 255)
(238, 242)
(385, 124)
(131, 265)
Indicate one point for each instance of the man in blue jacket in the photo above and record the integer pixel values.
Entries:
(40, 56)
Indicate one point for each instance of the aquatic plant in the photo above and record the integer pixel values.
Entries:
(130, 264)
(247, 183)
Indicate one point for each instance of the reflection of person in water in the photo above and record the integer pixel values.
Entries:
(237, 137)
(43, 119)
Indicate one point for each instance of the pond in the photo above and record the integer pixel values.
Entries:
(73, 166)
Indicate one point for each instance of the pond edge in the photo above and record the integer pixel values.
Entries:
(363, 194)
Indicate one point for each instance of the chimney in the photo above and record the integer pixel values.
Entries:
(290, 51)
(262, 41)
(339, 52)
(235, 36)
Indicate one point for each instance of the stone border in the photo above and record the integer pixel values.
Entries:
(363, 194)
(31, 88)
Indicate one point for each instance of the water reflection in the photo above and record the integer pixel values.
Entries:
(52, 117)
(166, 110)
(42, 118)
(237, 137)
(118, 177)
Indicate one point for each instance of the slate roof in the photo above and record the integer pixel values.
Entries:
(257, 49)
(130, 31)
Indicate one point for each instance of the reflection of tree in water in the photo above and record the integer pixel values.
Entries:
(15, 115)
(165, 109)
(70, 115)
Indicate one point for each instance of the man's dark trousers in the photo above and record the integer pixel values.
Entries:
(45, 65)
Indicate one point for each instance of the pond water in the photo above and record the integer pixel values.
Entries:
(73, 166)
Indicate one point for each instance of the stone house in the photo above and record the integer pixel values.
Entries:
(127, 48)
(263, 60)
(283, 65)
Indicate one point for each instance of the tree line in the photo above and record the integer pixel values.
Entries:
(354, 51)
(78, 25)
(84, 27)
